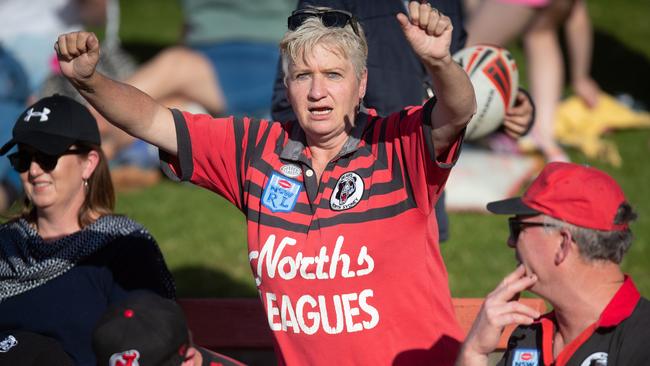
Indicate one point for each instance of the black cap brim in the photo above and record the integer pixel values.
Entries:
(43, 142)
(6, 147)
(511, 206)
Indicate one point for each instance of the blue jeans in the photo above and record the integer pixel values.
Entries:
(246, 72)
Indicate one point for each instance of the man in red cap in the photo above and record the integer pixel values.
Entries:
(570, 232)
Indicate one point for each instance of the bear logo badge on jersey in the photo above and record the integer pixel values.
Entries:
(526, 357)
(280, 193)
(347, 192)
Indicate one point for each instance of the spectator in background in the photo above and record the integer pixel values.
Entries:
(14, 93)
(224, 66)
(146, 329)
(28, 27)
(537, 21)
(226, 63)
(570, 233)
(396, 76)
(67, 256)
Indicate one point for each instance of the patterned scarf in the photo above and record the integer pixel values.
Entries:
(27, 261)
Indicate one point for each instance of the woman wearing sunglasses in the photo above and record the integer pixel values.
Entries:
(339, 203)
(66, 256)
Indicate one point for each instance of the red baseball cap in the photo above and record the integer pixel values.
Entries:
(577, 194)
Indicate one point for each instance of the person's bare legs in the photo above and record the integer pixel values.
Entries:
(546, 78)
(498, 23)
(180, 72)
(176, 77)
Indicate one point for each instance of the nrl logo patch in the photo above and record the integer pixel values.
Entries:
(280, 193)
(348, 192)
(8, 343)
(291, 170)
(525, 357)
(126, 358)
(595, 359)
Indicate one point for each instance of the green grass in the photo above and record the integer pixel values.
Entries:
(204, 238)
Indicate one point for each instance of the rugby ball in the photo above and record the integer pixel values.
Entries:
(493, 73)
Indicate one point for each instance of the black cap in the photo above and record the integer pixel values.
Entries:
(23, 348)
(52, 125)
(144, 327)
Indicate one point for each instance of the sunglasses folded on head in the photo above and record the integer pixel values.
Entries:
(331, 18)
(22, 159)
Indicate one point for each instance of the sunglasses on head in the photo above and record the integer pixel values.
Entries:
(516, 226)
(22, 159)
(331, 18)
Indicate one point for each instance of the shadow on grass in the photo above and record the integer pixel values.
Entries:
(620, 69)
(204, 282)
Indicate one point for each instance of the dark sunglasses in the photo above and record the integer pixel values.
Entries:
(22, 159)
(516, 226)
(331, 18)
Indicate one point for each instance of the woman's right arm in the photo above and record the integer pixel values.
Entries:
(123, 105)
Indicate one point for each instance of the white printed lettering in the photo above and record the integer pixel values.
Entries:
(352, 313)
(368, 309)
(314, 316)
(365, 258)
(270, 260)
(344, 258)
(323, 314)
(288, 316)
(320, 263)
(272, 311)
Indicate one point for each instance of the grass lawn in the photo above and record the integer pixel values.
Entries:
(204, 238)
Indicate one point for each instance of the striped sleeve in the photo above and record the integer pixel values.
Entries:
(214, 153)
(426, 173)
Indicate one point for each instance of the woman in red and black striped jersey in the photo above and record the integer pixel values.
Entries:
(342, 235)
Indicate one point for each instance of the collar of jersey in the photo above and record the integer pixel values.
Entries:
(295, 147)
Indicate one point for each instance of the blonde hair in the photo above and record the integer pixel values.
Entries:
(342, 41)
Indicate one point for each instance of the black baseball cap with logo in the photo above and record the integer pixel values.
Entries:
(52, 125)
(25, 348)
(144, 328)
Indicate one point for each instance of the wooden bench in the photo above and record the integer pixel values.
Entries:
(241, 323)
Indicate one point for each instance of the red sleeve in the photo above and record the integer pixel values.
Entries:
(212, 152)
(426, 173)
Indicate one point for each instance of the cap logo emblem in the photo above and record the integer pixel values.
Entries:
(126, 358)
(595, 359)
(347, 192)
(42, 115)
(8, 343)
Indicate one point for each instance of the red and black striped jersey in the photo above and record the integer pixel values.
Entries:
(619, 337)
(348, 267)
